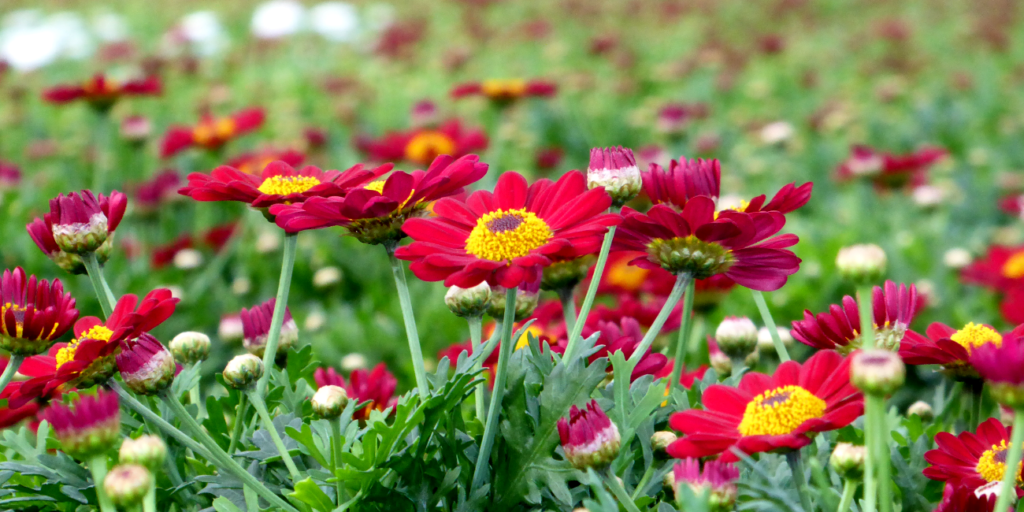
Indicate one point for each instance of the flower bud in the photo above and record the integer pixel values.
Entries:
(660, 441)
(127, 484)
(765, 342)
(88, 428)
(469, 302)
(329, 401)
(148, 450)
(136, 129)
(526, 301)
(353, 361)
(190, 347)
(614, 169)
(922, 409)
(82, 222)
(716, 483)
(877, 371)
(146, 366)
(721, 364)
(861, 263)
(848, 460)
(589, 438)
(736, 336)
(565, 275)
(243, 371)
(256, 328)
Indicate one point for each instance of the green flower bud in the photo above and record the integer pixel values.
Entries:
(127, 484)
(861, 263)
(848, 460)
(660, 441)
(190, 347)
(736, 336)
(148, 450)
(877, 371)
(329, 401)
(468, 302)
(243, 371)
(921, 409)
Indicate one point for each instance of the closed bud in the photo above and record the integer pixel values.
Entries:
(862, 263)
(565, 275)
(848, 460)
(127, 484)
(614, 169)
(329, 401)
(148, 450)
(589, 438)
(469, 302)
(765, 342)
(922, 409)
(721, 364)
(243, 371)
(660, 441)
(190, 347)
(877, 371)
(146, 366)
(526, 301)
(736, 336)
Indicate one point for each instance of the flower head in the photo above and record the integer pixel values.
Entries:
(972, 459)
(894, 308)
(243, 371)
(718, 480)
(507, 237)
(468, 302)
(256, 328)
(768, 413)
(877, 371)
(158, 191)
(87, 428)
(614, 169)
(736, 336)
(211, 133)
(329, 401)
(422, 145)
(625, 336)
(101, 92)
(376, 386)
(861, 262)
(148, 450)
(146, 366)
(376, 212)
(505, 91)
(10, 175)
(253, 162)
(1000, 364)
(190, 347)
(1001, 269)
(589, 438)
(33, 313)
(79, 222)
(888, 170)
(949, 347)
(127, 484)
(848, 460)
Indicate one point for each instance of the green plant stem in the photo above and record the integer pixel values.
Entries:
(643, 482)
(872, 421)
(475, 335)
(480, 393)
(98, 467)
(976, 390)
(620, 493)
(884, 466)
(769, 322)
(196, 398)
(101, 148)
(799, 479)
(149, 502)
(410, 323)
(867, 316)
(568, 307)
(1007, 492)
(670, 303)
(92, 266)
(280, 306)
(494, 411)
(236, 430)
(849, 489)
(268, 423)
(588, 300)
(683, 344)
(12, 368)
(336, 455)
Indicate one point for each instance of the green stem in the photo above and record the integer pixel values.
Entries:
(884, 466)
(12, 368)
(268, 423)
(588, 300)
(98, 467)
(568, 307)
(494, 411)
(195, 398)
(682, 281)
(643, 482)
(475, 335)
(769, 322)
(867, 316)
(101, 147)
(149, 502)
(1007, 492)
(236, 430)
(106, 298)
(799, 479)
(280, 306)
(620, 494)
(849, 489)
(872, 421)
(976, 389)
(336, 455)
(410, 323)
(683, 344)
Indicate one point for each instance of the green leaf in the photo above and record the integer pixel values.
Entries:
(309, 493)
(223, 504)
(305, 438)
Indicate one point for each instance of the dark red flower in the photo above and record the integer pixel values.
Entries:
(839, 328)
(159, 190)
(89, 427)
(507, 237)
(33, 313)
(79, 223)
(888, 170)
(376, 386)
(948, 347)
(964, 499)
(164, 255)
(1001, 269)
(549, 158)
(10, 175)
(624, 336)
(211, 133)
(505, 91)
(1000, 363)
(102, 92)
(422, 146)
(588, 437)
(971, 460)
(254, 162)
(218, 236)
(146, 365)
(1014, 204)
(256, 328)
(769, 413)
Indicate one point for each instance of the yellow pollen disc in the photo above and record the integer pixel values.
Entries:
(496, 88)
(67, 353)
(742, 207)
(19, 318)
(1014, 267)
(284, 185)
(378, 187)
(992, 463)
(507, 234)
(780, 411)
(975, 335)
(225, 128)
(425, 146)
(524, 340)
(626, 276)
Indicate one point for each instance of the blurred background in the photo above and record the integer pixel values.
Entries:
(780, 91)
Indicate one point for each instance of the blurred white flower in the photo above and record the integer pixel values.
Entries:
(315, 321)
(730, 202)
(929, 195)
(353, 361)
(327, 276)
(202, 29)
(277, 19)
(75, 40)
(957, 258)
(30, 48)
(188, 259)
(241, 285)
(110, 27)
(335, 21)
(777, 132)
(268, 241)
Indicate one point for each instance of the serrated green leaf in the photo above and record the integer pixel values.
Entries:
(309, 493)
(223, 504)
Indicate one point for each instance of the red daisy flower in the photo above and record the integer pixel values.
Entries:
(505, 91)
(508, 237)
(161, 189)
(422, 145)
(211, 133)
(888, 170)
(971, 460)
(89, 427)
(164, 255)
(703, 244)
(769, 413)
(79, 223)
(102, 92)
(10, 175)
(90, 358)
(279, 183)
(624, 336)
(1002, 268)
(255, 161)
(33, 313)
(376, 386)
(377, 213)
(949, 347)
(10, 416)
(1012, 306)
(965, 499)
(839, 328)
(1014, 205)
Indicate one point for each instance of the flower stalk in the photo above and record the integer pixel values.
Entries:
(336, 441)
(683, 343)
(849, 489)
(280, 306)
(99, 283)
(12, 368)
(618, 491)
(236, 431)
(1007, 491)
(268, 424)
(588, 300)
(799, 478)
(475, 335)
(410, 322)
(565, 295)
(769, 322)
(670, 303)
(98, 468)
(491, 426)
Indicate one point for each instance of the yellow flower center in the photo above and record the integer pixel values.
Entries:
(504, 89)
(285, 185)
(739, 208)
(1014, 267)
(425, 146)
(507, 234)
(524, 340)
(67, 353)
(780, 411)
(378, 187)
(992, 463)
(975, 335)
(212, 132)
(626, 276)
(19, 318)
(105, 86)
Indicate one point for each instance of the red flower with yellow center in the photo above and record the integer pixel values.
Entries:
(779, 412)
(1002, 268)
(507, 237)
(33, 313)
(211, 133)
(254, 162)
(948, 347)
(377, 386)
(422, 146)
(839, 328)
(102, 92)
(972, 459)
(505, 91)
